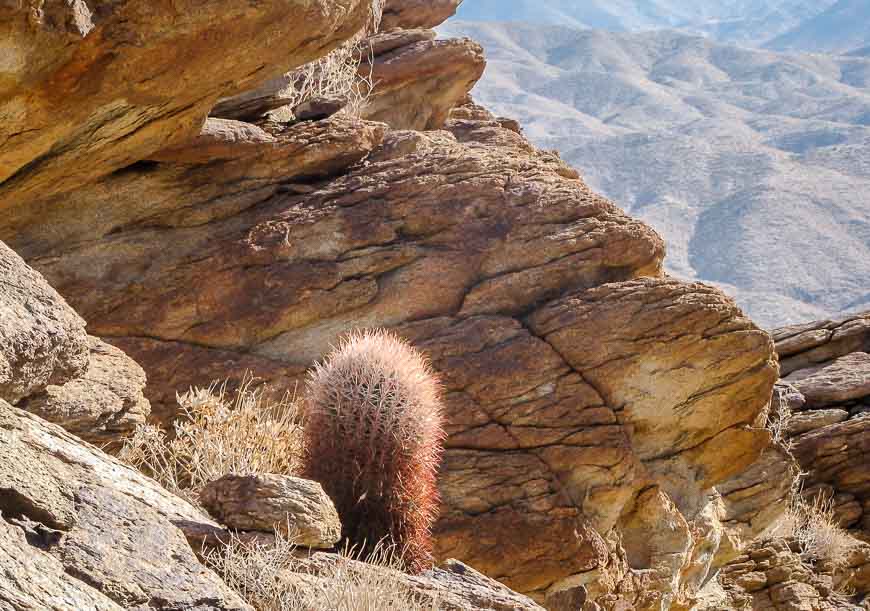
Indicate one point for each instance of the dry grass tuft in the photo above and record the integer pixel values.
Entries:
(814, 528)
(339, 74)
(266, 578)
(218, 434)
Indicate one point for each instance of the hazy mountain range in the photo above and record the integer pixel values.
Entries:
(753, 164)
(810, 25)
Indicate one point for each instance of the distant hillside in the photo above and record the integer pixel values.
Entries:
(745, 21)
(843, 27)
(754, 165)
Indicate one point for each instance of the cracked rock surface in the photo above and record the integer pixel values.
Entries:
(826, 391)
(42, 340)
(103, 406)
(101, 535)
(591, 399)
(297, 508)
(584, 390)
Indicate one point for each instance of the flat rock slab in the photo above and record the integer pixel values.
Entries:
(845, 379)
(116, 530)
(821, 341)
(297, 508)
(815, 419)
(42, 340)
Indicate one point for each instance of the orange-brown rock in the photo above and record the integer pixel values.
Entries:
(582, 399)
(417, 13)
(606, 423)
(86, 89)
(418, 79)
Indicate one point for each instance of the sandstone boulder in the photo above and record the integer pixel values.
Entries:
(93, 87)
(34, 579)
(586, 393)
(772, 575)
(419, 80)
(103, 406)
(844, 379)
(42, 340)
(572, 387)
(118, 537)
(417, 13)
(828, 378)
(806, 345)
(296, 508)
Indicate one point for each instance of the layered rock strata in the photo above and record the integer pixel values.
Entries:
(826, 390)
(605, 421)
(495, 259)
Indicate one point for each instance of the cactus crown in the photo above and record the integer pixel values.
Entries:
(377, 385)
(374, 440)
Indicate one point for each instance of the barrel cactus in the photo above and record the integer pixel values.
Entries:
(374, 439)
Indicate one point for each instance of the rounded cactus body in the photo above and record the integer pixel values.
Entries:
(374, 438)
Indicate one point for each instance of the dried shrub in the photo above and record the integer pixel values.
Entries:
(813, 526)
(374, 439)
(338, 75)
(346, 73)
(267, 578)
(217, 434)
(779, 417)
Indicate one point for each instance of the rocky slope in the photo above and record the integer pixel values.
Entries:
(742, 21)
(843, 27)
(750, 163)
(606, 422)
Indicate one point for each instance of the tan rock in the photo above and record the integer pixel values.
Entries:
(34, 579)
(219, 140)
(296, 508)
(837, 455)
(773, 576)
(419, 83)
(77, 104)
(640, 341)
(844, 379)
(42, 340)
(818, 342)
(815, 419)
(103, 406)
(754, 500)
(249, 168)
(468, 242)
(417, 13)
(121, 533)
